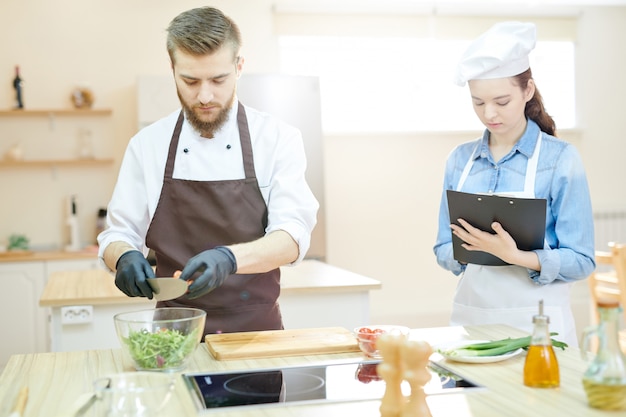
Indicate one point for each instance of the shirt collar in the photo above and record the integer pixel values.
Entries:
(525, 145)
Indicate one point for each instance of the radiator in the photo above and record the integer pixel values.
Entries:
(610, 226)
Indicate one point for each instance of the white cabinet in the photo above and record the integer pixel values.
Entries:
(97, 332)
(347, 309)
(24, 325)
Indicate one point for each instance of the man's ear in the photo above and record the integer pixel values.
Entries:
(239, 65)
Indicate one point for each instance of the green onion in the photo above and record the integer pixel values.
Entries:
(496, 347)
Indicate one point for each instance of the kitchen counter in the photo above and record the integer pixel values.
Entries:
(84, 302)
(37, 256)
(55, 380)
(98, 286)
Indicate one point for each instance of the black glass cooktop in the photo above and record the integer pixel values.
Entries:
(311, 383)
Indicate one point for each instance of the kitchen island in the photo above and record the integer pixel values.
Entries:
(56, 380)
(312, 294)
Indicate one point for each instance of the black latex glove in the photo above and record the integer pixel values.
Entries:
(132, 270)
(214, 266)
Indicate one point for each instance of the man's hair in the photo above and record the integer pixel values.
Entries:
(202, 31)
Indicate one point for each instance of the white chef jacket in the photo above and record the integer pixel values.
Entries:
(279, 162)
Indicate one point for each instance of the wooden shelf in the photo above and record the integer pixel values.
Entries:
(56, 163)
(54, 112)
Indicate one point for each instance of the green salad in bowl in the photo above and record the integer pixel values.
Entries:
(160, 339)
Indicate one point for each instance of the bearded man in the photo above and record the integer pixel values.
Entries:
(216, 189)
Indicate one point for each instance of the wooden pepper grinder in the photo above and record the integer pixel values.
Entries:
(403, 360)
(390, 370)
(415, 356)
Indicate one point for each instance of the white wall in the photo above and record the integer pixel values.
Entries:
(600, 63)
(382, 192)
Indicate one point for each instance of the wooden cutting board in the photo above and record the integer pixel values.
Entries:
(275, 343)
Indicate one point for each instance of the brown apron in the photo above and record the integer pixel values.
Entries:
(193, 216)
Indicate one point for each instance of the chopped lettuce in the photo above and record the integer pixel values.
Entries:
(163, 349)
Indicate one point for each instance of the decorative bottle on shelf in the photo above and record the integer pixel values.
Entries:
(85, 144)
(17, 85)
(72, 222)
(541, 369)
(605, 379)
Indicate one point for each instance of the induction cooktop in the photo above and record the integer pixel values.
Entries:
(352, 381)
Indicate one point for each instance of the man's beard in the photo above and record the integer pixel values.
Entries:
(207, 129)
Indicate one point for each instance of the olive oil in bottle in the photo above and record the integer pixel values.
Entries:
(541, 369)
(605, 378)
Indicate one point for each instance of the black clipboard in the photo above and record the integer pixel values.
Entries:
(523, 218)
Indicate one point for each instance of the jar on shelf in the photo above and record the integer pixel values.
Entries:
(82, 97)
(605, 378)
(14, 153)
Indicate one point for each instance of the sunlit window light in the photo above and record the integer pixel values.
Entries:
(375, 85)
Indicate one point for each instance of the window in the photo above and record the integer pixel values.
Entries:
(376, 84)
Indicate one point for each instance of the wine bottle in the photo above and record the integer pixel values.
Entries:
(17, 84)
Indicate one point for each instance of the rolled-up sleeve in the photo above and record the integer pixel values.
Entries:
(570, 230)
(281, 173)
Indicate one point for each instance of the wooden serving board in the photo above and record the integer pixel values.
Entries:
(275, 343)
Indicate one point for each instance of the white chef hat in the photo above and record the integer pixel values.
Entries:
(500, 52)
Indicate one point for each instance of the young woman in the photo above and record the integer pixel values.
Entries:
(518, 155)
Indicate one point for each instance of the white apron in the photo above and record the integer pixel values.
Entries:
(506, 294)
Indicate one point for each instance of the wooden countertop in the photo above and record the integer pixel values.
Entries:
(36, 256)
(83, 287)
(55, 380)
(315, 276)
(98, 286)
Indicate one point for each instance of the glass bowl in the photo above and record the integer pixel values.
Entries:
(133, 394)
(160, 339)
(367, 335)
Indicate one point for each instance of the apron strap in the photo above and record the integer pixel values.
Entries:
(468, 167)
(531, 168)
(171, 156)
(246, 143)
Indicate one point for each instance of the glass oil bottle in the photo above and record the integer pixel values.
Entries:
(605, 379)
(541, 369)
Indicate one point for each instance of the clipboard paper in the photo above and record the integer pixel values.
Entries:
(523, 218)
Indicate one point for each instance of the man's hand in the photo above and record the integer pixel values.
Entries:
(132, 270)
(214, 266)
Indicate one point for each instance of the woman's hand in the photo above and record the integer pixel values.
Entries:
(499, 244)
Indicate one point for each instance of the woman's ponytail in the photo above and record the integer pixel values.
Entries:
(534, 107)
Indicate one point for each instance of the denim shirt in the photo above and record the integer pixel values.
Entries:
(561, 180)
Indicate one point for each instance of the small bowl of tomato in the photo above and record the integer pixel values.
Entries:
(367, 336)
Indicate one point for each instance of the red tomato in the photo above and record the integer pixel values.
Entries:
(368, 338)
(367, 373)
